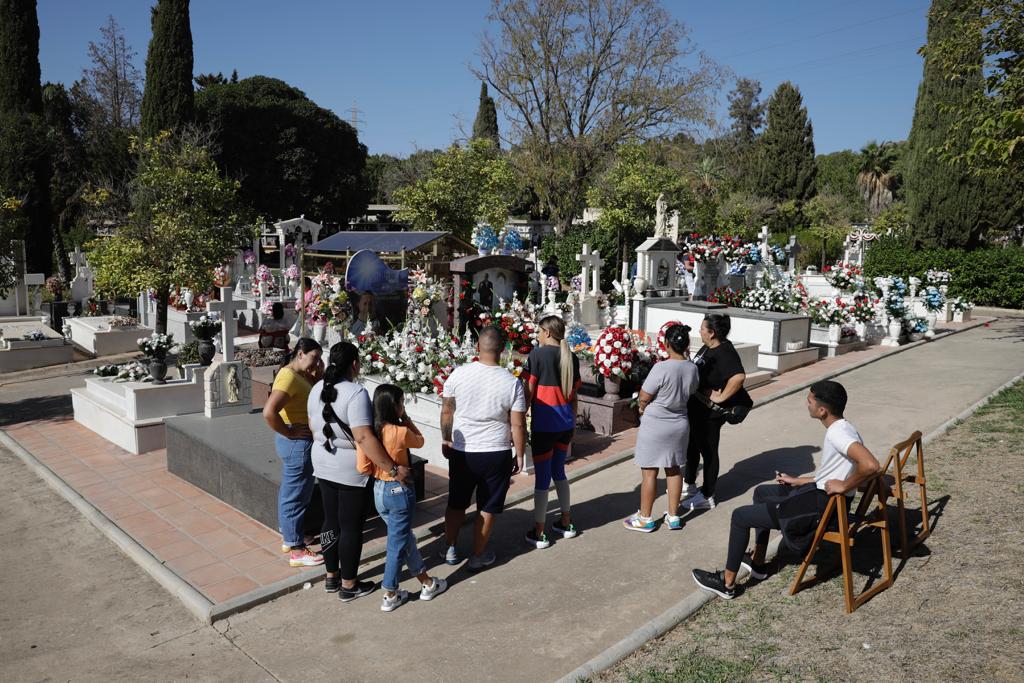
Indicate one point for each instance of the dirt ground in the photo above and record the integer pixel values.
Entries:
(954, 612)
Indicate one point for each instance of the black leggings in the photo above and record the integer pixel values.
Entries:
(342, 535)
(704, 437)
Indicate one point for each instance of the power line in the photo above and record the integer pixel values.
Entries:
(825, 33)
(829, 59)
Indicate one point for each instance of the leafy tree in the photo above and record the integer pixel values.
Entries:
(167, 102)
(576, 78)
(786, 168)
(876, 179)
(485, 127)
(24, 160)
(185, 221)
(308, 161)
(112, 84)
(827, 220)
(892, 220)
(564, 250)
(992, 118)
(746, 111)
(942, 200)
(11, 229)
(466, 184)
(743, 213)
(837, 174)
(627, 194)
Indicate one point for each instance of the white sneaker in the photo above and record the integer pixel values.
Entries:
(393, 602)
(449, 555)
(698, 502)
(433, 590)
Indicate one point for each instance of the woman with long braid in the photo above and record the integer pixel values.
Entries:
(341, 420)
(552, 378)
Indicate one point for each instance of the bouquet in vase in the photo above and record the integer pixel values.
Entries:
(862, 310)
(938, 277)
(828, 312)
(932, 299)
(484, 238)
(726, 296)
(846, 277)
(206, 327)
(613, 354)
(156, 345)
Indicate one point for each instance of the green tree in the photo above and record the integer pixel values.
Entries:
(828, 221)
(627, 194)
(739, 147)
(992, 118)
(11, 229)
(485, 127)
(185, 221)
(876, 178)
(167, 102)
(743, 213)
(308, 161)
(837, 174)
(786, 168)
(466, 184)
(943, 202)
(577, 78)
(24, 157)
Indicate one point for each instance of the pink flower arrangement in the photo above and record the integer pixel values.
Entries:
(263, 274)
(249, 257)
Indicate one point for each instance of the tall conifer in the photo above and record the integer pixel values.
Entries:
(24, 150)
(786, 168)
(485, 127)
(168, 102)
(943, 201)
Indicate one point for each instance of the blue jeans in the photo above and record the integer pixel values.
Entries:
(296, 487)
(396, 504)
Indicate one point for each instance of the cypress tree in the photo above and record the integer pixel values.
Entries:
(485, 127)
(786, 167)
(943, 200)
(24, 159)
(167, 102)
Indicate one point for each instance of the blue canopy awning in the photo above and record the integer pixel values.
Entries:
(380, 242)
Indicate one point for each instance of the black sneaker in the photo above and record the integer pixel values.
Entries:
(359, 590)
(332, 584)
(758, 572)
(714, 582)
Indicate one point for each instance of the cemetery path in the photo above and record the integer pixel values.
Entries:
(537, 615)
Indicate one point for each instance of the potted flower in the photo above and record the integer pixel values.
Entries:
(961, 310)
(248, 258)
(289, 252)
(485, 239)
(292, 273)
(614, 356)
(56, 289)
(862, 312)
(155, 347)
(263, 278)
(204, 330)
(934, 301)
(846, 277)
(831, 314)
(916, 328)
(512, 241)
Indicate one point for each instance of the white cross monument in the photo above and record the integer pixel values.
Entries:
(590, 267)
(764, 244)
(226, 307)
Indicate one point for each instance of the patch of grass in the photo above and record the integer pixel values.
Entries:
(697, 666)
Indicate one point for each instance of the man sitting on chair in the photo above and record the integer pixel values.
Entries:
(795, 504)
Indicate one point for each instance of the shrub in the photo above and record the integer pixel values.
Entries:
(991, 276)
(565, 248)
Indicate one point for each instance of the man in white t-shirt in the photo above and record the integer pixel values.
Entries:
(483, 413)
(845, 464)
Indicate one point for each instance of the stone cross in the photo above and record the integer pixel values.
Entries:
(792, 249)
(587, 261)
(764, 243)
(596, 274)
(226, 307)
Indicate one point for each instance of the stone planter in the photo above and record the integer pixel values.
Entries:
(207, 351)
(895, 328)
(962, 316)
(932, 319)
(834, 333)
(319, 331)
(158, 370)
(612, 387)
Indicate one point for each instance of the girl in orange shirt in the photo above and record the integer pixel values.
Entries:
(396, 502)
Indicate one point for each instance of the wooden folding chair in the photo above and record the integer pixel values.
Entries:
(871, 512)
(899, 456)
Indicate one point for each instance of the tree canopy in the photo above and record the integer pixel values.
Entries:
(576, 78)
(466, 184)
(786, 168)
(167, 102)
(307, 160)
(485, 127)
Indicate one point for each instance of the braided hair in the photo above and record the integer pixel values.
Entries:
(342, 357)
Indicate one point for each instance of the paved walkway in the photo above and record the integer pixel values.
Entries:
(537, 614)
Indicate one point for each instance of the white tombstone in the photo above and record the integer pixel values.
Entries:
(82, 284)
(764, 234)
(587, 261)
(792, 249)
(298, 225)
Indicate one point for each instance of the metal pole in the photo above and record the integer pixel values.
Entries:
(302, 290)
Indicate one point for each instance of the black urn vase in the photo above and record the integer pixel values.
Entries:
(158, 370)
(206, 351)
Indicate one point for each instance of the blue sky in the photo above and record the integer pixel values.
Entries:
(405, 64)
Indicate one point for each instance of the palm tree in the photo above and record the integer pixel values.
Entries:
(708, 176)
(876, 178)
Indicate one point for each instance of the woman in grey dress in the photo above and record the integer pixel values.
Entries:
(664, 429)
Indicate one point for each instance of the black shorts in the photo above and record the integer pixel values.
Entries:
(542, 444)
(487, 474)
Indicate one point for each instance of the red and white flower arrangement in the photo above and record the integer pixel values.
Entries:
(614, 353)
(662, 351)
(845, 277)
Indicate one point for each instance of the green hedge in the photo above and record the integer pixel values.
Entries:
(992, 276)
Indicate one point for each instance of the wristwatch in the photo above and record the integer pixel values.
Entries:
(393, 472)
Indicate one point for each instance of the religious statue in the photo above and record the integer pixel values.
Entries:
(661, 217)
(233, 385)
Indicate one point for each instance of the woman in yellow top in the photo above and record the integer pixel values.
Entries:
(396, 501)
(285, 412)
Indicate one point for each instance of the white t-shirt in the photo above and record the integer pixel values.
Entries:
(353, 407)
(835, 463)
(484, 395)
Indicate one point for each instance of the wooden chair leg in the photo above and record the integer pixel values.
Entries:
(902, 519)
(798, 582)
(844, 551)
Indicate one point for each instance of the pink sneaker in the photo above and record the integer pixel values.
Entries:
(304, 557)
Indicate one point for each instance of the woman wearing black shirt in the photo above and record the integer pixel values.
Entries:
(721, 382)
